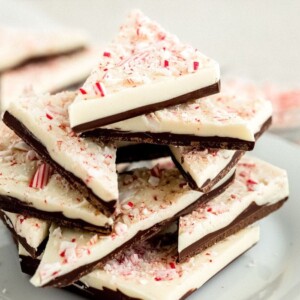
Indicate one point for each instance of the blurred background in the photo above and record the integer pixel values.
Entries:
(255, 41)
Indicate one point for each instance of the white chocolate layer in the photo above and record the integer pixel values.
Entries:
(197, 163)
(46, 117)
(18, 164)
(33, 230)
(50, 75)
(256, 182)
(151, 274)
(222, 115)
(19, 45)
(144, 65)
(145, 201)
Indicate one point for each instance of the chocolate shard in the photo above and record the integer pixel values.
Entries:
(133, 76)
(34, 239)
(204, 169)
(28, 186)
(252, 214)
(258, 190)
(88, 166)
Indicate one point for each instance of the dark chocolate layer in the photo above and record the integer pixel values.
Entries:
(249, 216)
(167, 138)
(14, 205)
(19, 239)
(107, 207)
(29, 264)
(210, 183)
(74, 275)
(203, 92)
(138, 152)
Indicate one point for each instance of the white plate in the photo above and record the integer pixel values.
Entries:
(270, 270)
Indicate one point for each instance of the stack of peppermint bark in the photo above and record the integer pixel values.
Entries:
(84, 221)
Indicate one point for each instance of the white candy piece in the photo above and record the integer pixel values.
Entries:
(256, 182)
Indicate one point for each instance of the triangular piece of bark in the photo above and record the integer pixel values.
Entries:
(42, 122)
(29, 187)
(258, 189)
(144, 69)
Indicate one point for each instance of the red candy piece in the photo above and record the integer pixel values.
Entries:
(41, 176)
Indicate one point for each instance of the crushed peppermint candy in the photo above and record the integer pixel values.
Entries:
(154, 181)
(100, 88)
(156, 171)
(41, 176)
(120, 228)
(145, 50)
(31, 155)
(82, 91)
(49, 116)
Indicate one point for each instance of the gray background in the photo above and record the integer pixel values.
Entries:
(255, 38)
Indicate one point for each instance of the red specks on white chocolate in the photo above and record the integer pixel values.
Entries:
(67, 251)
(49, 271)
(141, 53)
(145, 262)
